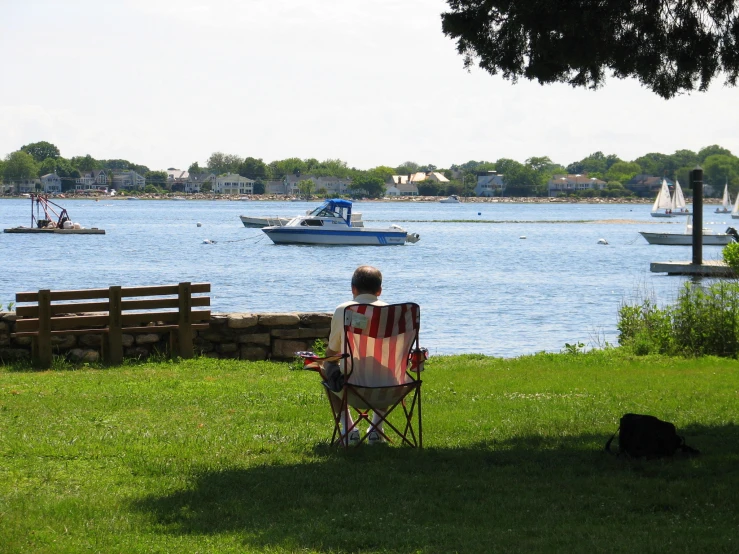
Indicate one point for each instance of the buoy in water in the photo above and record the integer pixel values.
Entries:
(200, 224)
(208, 241)
(479, 213)
(602, 241)
(522, 237)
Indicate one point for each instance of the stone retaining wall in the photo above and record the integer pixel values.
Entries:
(242, 336)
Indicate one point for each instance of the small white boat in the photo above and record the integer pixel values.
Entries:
(686, 238)
(662, 206)
(331, 224)
(735, 210)
(453, 199)
(725, 207)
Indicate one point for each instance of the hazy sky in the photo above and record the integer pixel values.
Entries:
(165, 83)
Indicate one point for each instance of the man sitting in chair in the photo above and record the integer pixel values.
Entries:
(366, 288)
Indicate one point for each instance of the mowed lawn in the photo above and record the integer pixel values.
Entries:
(227, 456)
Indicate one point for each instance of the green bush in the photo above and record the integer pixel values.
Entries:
(703, 321)
(731, 255)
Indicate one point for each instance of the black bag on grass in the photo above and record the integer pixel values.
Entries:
(641, 436)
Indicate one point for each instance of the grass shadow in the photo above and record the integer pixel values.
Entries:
(529, 493)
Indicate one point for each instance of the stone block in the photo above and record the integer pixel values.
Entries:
(286, 333)
(84, 355)
(13, 354)
(9, 316)
(127, 340)
(90, 340)
(229, 355)
(202, 345)
(22, 341)
(283, 349)
(242, 321)
(316, 319)
(253, 353)
(227, 347)
(148, 338)
(218, 320)
(136, 352)
(3, 326)
(256, 338)
(212, 336)
(314, 333)
(279, 320)
(63, 342)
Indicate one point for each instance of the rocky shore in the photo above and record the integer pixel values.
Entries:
(431, 199)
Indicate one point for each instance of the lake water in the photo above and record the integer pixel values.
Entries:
(481, 287)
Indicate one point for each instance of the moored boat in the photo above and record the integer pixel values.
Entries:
(331, 224)
(452, 199)
(686, 238)
(662, 206)
(52, 222)
(725, 207)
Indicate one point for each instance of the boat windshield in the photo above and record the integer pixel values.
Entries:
(333, 209)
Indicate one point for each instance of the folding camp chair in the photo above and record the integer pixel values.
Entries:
(382, 362)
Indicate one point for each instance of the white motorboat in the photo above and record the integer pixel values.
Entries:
(258, 222)
(686, 238)
(331, 224)
(662, 206)
(453, 199)
(725, 207)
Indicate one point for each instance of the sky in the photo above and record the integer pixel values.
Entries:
(165, 83)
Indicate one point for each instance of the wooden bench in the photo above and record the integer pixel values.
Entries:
(116, 310)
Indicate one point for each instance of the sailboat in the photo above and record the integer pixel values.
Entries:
(663, 205)
(735, 211)
(725, 202)
(678, 201)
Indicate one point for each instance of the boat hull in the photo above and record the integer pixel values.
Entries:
(661, 214)
(255, 222)
(340, 237)
(34, 231)
(684, 239)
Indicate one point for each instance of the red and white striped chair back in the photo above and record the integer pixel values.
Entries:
(379, 340)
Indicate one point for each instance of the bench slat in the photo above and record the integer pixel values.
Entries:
(104, 331)
(129, 292)
(77, 307)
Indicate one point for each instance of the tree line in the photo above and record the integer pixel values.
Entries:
(528, 178)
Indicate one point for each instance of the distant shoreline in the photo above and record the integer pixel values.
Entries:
(427, 199)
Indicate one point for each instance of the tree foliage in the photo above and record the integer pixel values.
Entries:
(367, 185)
(19, 165)
(220, 163)
(670, 46)
(41, 150)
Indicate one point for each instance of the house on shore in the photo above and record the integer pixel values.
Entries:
(127, 180)
(489, 183)
(569, 184)
(231, 183)
(647, 185)
(51, 183)
(97, 179)
(195, 182)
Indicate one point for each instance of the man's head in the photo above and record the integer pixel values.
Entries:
(367, 280)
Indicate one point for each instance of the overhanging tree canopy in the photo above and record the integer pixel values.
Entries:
(670, 46)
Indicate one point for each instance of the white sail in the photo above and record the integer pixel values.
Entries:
(726, 200)
(678, 200)
(663, 201)
(735, 211)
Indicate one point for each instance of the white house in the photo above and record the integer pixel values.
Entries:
(565, 184)
(402, 185)
(51, 183)
(23, 186)
(489, 184)
(97, 179)
(232, 183)
(128, 180)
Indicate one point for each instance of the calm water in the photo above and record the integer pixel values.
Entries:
(481, 287)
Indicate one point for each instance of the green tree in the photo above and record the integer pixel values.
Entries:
(670, 46)
(657, 164)
(253, 168)
(19, 166)
(195, 169)
(290, 166)
(259, 186)
(306, 188)
(407, 167)
(430, 188)
(85, 163)
(383, 172)
(622, 172)
(368, 185)
(206, 187)
(719, 169)
(41, 150)
(712, 150)
(157, 178)
(520, 180)
(220, 163)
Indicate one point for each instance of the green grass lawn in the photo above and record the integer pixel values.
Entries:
(227, 456)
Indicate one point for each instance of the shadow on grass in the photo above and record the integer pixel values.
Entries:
(523, 494)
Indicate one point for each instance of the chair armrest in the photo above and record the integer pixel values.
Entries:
(314, 362)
